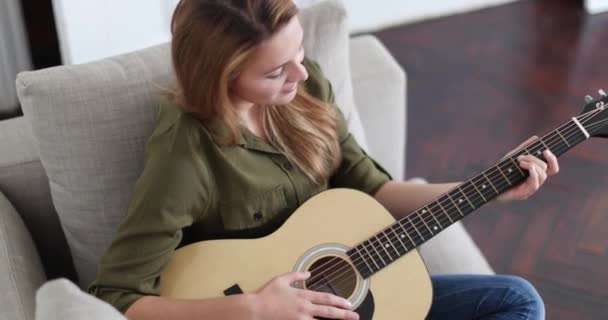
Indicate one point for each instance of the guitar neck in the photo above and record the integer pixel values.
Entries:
(423, 224)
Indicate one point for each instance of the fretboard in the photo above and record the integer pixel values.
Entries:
(408, 233)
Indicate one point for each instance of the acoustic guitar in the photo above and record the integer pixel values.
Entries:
(353, 246)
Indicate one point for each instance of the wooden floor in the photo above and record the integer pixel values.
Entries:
(481, 83)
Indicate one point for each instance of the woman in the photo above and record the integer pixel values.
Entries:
(249, 134)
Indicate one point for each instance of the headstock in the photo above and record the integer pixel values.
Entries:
(595, 115)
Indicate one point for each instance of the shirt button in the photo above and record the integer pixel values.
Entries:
(258, 216)
(288, 166)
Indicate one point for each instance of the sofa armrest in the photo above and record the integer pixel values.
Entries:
(453, 251)
(20, 266)
(61, 299)
(18, 144)
(24, 182)
(379, 86)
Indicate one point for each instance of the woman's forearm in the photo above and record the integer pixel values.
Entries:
(401, 198)
(235, 307)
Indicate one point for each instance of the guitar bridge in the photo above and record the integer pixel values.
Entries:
(235, 289)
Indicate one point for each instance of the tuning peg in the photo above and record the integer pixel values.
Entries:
(588, 98)
(602, 92)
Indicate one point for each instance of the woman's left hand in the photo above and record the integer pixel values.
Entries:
(538, 169)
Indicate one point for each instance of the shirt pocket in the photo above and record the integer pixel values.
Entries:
(254, 212)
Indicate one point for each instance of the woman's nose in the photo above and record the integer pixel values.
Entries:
(298, 73)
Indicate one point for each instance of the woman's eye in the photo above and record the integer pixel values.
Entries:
(275, 76)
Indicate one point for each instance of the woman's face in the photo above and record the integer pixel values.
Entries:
(272, 76)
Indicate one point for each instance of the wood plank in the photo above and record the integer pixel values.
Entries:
(491, 79)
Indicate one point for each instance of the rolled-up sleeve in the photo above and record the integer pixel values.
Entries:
(169, 195)
(357, 170)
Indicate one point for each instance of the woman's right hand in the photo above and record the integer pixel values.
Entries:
(278, 299)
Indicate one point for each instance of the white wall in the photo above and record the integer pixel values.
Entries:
(93, 29)
(596, 6)
(371, 15)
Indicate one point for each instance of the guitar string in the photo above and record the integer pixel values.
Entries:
(598, 124)
(423, 220)
(336, 280)
(381, 255)
(452, 207)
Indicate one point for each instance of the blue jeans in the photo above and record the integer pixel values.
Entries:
(472, 297)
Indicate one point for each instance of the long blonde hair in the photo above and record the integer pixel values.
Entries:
(212, 41)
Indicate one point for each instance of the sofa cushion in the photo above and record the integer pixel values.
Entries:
(60, 299)
(326, 40)
(92, 122)
(20, 266)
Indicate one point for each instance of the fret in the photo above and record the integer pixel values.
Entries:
(398, 238)
(387, 253)
(408, 235)
(397, 252)
(517, 166)
(566, 141)
(442, 209)
(389, 244)
(362, 258)
(573, 139)
(490, 182)
(541, 141)
(433, 215)
(537, 152)
(557, 143)
(422, 218)
(465, 196)
(513, 175)
(455, 205)
(412, 223)
(370, 255)
(481, 194)
(375, 247)
(503, 174)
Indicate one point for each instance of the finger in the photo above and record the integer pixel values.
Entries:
(552, 162)
(542, 176)
(532, 181)
(330, 312)
(536, 161)
(535, 182)
(292, 277)
(322, 298)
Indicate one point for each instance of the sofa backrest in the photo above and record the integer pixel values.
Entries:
(91, 123)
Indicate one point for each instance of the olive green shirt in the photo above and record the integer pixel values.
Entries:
(194, 188)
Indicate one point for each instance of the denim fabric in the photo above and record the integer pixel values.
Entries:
(484, 297)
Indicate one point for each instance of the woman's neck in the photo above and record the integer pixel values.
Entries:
(251, 118)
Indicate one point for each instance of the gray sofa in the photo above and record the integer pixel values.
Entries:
(68, 165)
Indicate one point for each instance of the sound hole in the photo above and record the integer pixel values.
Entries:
(334, 275)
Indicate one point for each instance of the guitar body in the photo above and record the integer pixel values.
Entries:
(317, 233)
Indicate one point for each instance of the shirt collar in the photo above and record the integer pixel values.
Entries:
(218, 129)
(244, 138)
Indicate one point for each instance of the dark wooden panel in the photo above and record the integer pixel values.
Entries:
(482, 82)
